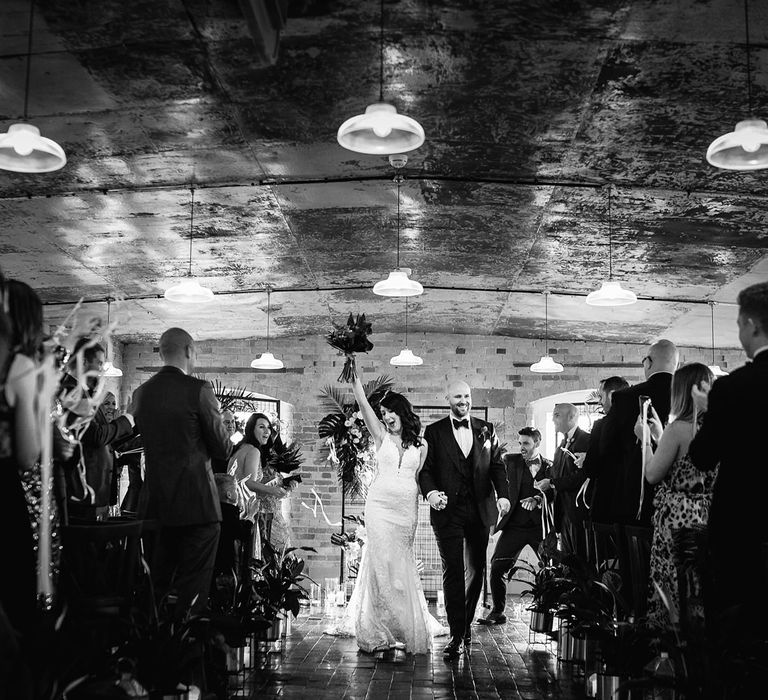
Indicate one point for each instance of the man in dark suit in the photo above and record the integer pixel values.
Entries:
(567, 478)
(465, 483)
(522, 525)
(601, 474)
(178, 418)
(619, 445)
(737, 526)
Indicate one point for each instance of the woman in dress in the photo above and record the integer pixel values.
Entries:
(387, 609)
(683, 493)
(262, 491)
(20, 444)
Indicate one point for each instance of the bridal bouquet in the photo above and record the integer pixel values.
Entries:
(349, 339)
(287, 461)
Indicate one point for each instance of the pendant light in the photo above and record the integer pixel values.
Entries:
(611, 292)
(546, 365)
(398, 284)
(267, 360)
(746, 147)
(714, 368)
(22, 148)
(406, 358)
(380, 130)
(189, 291)
(108, 369)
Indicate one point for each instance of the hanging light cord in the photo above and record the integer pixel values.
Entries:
(397, 179)
(749, 69)
(191, 224)
(546, 322)
(406, 322)
(29, 56)
(712, 326)
(269, 308)
(610, 237)
(381, 53)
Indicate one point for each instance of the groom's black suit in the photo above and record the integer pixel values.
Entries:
(462, 528)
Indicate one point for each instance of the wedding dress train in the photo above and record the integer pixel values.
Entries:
(387, 608)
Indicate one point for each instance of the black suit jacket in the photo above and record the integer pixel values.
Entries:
(441, 469)
(516, 466)
(731, 435)
(97, 454)
(602, 476)
(567, 478)
(178, 418)
(620, 448)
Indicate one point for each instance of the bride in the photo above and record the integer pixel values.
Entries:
(387, 609)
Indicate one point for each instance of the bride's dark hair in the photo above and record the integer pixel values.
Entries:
(397, 403)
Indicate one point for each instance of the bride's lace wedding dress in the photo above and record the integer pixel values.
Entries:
(387, 608)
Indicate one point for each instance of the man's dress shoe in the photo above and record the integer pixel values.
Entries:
(494, 618)
(454, 648)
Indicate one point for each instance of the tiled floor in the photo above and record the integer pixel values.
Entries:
(502, 664)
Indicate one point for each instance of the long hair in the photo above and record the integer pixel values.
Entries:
(683, 381)
(26, 315)
(397, 403)
(249, 432)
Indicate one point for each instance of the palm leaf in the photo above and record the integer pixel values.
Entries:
(237, 399)
(333, 398)
(380, 385)
(329, 426)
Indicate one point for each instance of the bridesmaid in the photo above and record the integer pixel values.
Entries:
(683, 496)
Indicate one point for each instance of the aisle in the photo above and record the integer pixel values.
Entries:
(502, 665)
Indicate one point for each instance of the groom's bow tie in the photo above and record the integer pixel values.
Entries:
(460, 423)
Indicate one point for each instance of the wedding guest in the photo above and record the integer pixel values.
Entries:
(600, 472)
(618, 444)
(264, 489)
(522, 525)
(178, 418)
(567, 477)
(683, 495)
(738, 528)
(231, 528)
(98, 437)
(20, 445)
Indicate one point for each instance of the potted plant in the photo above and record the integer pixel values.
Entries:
(276, 591)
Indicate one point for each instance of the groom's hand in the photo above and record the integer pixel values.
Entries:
(503, 505)
(437, 499)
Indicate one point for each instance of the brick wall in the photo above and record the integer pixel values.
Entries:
(495, 367)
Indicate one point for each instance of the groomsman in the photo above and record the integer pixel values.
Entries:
(567, 478)
(737, 528)
(465, 483)
(523, 524)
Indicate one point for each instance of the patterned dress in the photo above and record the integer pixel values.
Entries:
(682, 499)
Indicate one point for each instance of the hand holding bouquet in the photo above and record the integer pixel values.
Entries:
(349, 339)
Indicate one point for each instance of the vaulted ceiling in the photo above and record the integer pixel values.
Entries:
(530, 109)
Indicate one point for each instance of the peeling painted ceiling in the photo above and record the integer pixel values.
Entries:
(530, 109)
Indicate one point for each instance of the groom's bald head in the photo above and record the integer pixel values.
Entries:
(459, 398)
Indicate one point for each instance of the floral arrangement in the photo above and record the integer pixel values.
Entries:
(350, 445)
(348, 339)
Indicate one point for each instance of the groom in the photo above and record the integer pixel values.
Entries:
(462, 470)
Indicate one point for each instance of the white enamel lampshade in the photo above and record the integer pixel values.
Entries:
(744, 148)
(546, 365)
(267, 361)
(109, 370)
(406, 358)
(717, 371)
(190, 291)
(611, 293)
(380, 131)
(24, 150)
(398, 284)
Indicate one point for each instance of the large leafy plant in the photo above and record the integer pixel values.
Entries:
(349, 442)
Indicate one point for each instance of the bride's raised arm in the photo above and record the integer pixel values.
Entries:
(372, 422)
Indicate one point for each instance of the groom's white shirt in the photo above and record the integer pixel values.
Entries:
(463, 435)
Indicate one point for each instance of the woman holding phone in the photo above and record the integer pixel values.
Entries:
(684, 493)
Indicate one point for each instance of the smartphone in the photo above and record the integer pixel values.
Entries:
(645, 401)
